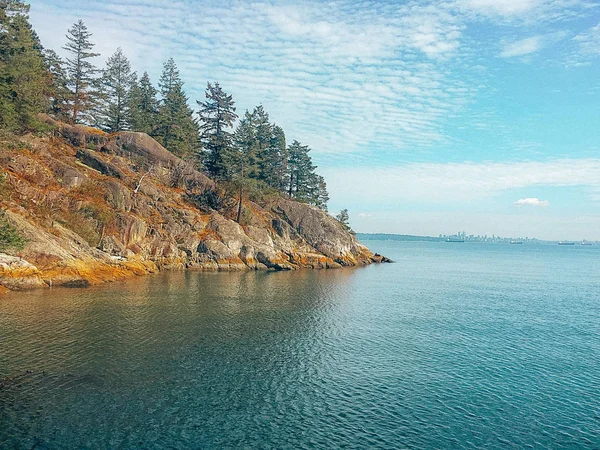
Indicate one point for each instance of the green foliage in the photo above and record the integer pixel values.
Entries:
(211, 198)
(117, 81)
(4, 187)
(344, 218)
(59, 93)
(81, 73)
(10, 239)
(12, 141)
(303, 183)
(100, 212)
(255, 159)
(217, 115)
(80, 225)
(24, 80)
(143, 105)
(177, 130)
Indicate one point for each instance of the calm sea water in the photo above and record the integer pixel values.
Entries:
(455, 346)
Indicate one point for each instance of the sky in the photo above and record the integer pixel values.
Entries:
(425, 117)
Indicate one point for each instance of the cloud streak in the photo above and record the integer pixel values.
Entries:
(522, 47)
(589, 41)
(443, 184)
(340, 76)
(532, 201)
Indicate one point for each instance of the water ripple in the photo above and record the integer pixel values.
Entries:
(461, 347)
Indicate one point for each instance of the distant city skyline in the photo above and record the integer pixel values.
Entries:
(422, 116)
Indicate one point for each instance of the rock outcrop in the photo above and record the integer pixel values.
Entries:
(96, 207)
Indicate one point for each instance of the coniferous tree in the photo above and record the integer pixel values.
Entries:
(277, 155)
(217, 115)
(177, 130)
(59, 93)
(241, 159)
(24, 80)
(319, 195)
(81, 72)
(300, 170)
(264, 135)
(143, 105)
(344, 218)
(116, 81)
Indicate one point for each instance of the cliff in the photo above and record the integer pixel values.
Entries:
(96, 207)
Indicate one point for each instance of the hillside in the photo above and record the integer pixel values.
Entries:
(97, 207)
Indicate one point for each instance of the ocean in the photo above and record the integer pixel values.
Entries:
(456, 345)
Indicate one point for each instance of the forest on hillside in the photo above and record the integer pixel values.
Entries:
(244, 152)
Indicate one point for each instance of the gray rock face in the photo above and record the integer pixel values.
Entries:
(323, 232)
(89, 158)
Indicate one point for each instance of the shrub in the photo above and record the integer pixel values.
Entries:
(10, 238)
(80, 225)
(4, 187)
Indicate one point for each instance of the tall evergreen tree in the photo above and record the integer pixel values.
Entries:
(81, 72)
(319, 195)
(300, 171)
(24, 80)
(177, 130)
(277, 156)
(59, 94)
(217, 115)
(143, 105)
(241, 160)
(116, 81)
(344, 218)
(264, 134)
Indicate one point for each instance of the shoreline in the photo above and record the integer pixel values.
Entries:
(18, 275)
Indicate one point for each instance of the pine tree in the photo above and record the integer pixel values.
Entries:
(59, 93)
(319, 195)
(116, 81)
(264, 135)
(177, 130)
(300, 170)
(344, 218)
(80, 72)
(277, 156)
(217, 115)
(241, 159)
(143, 105)
(24, 80)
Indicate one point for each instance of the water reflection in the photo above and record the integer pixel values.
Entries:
(453, 345)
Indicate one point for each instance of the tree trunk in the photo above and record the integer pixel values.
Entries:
(241, 198)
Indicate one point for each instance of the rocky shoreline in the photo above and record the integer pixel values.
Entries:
(96, 207)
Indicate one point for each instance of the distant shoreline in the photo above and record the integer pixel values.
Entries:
(467, 239)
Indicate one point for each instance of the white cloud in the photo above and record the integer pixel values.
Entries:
(446, 184)
(589, 41)
(522, 47)
(501, 7)
(338, 76)
(532, 201)
(526, 11)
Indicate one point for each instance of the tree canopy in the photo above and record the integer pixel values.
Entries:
(250, 153)
(24, 79)
(81, 72)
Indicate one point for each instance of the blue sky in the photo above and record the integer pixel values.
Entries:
(425, 117)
